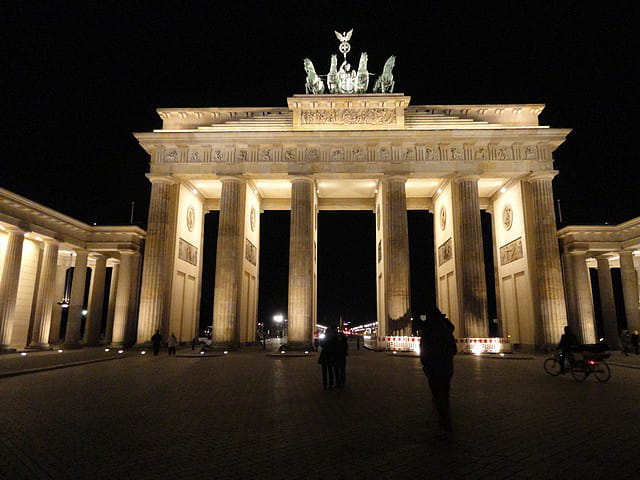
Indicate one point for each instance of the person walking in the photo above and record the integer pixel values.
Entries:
(172, 344)
(156, 340)
(568, 340)
(437, 348)
(625, 340)
(342, 352)
(635, 341)
(327, 357)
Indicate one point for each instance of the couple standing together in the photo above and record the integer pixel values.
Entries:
(333, 358)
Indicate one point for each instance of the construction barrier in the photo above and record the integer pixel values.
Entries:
(412, 344)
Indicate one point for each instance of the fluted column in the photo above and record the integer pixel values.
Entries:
(630, 290)
(76, 303)
(301, 262)
(470, 257)
(229, 262)
(553, 314)
(113, 292)
(396, 250)
(584, 326)
(96, 301)
(607, 304)
(45, 297)
(59, 295)
(131, 329)
(123, 297)
(156, 261)
(9, 285)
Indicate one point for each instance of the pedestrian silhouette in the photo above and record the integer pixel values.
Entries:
(156, 339)
(172, 344)
(341, 353)
(327, 357)
(437, 348)
(567, 342)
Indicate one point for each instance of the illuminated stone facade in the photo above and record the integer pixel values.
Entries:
(602, 247)
(40, 298)
(370, 152)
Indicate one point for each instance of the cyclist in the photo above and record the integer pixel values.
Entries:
(567, 341)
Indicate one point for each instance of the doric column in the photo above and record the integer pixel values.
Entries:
(470, 257)
(396, 250)
(228, 262)
(76, 303)
(584, 325)
(630, 290)
(9, 284)
(607, 304)
(59, 295)
(301, 262)
(96, 301)
(123, 297)
(113, 291)
(157, 248)
(132, 327)
(550, 288)
(45, 297)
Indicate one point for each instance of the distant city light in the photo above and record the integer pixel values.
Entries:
(84, 312)
(143, 352)
(60, 350)
(278, 318)
(107, 349)
(120, 351)
(24, 354)
(225, 352)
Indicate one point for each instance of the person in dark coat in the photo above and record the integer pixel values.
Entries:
(327, 357)
(567, 341)
(437, 348)
(342, 352)
(635, 341)
(156, 340)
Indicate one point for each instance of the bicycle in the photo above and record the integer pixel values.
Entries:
(581, 368)
(553, 365)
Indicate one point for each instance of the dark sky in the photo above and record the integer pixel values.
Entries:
(79, 77)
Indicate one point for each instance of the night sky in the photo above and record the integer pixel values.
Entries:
(78, 78)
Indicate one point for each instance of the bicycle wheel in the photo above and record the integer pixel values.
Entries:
(602, 372)
(579, 370)
(552, 367)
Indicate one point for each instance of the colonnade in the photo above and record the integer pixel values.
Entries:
(582, 314)
(34, 288)
(545, 299)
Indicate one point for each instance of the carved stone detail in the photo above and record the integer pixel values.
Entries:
(511, 252)
(250, 252)
(349, 116)
(187, 252)
(445, 252)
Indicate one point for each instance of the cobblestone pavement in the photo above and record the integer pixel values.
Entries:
(247, 415)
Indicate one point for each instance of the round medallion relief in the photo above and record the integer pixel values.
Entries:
(507, 217)
(191, 218)
(443, 218)
(252, 219)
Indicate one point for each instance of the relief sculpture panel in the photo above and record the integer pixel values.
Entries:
(349, 116)
(188, 252)
(445, 252)
(511, 252)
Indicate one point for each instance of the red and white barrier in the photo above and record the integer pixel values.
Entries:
(465, 345)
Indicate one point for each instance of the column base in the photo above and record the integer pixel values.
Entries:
(7, 349)
(222, 346)
(70, 346)
(39, 346)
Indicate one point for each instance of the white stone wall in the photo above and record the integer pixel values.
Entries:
(516, 302)
(26, 292)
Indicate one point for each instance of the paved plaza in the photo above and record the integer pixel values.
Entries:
(248, 415)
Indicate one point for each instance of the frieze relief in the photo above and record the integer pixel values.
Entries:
(511, 252)
(349, 116)
(445, 252)
(251, 252)
(359, 153)
(187, 252)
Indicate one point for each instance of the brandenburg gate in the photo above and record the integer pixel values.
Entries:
(348, 150)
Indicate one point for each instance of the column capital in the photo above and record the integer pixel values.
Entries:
(231, 178)
(16, 229)
(301, 178)
(466, 177)
(541, 175)
(395, 178)
(161, 179)
(626, 253)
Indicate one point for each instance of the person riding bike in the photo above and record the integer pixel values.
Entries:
(567, 341)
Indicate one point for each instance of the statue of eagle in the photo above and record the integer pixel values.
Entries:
(344, 37)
